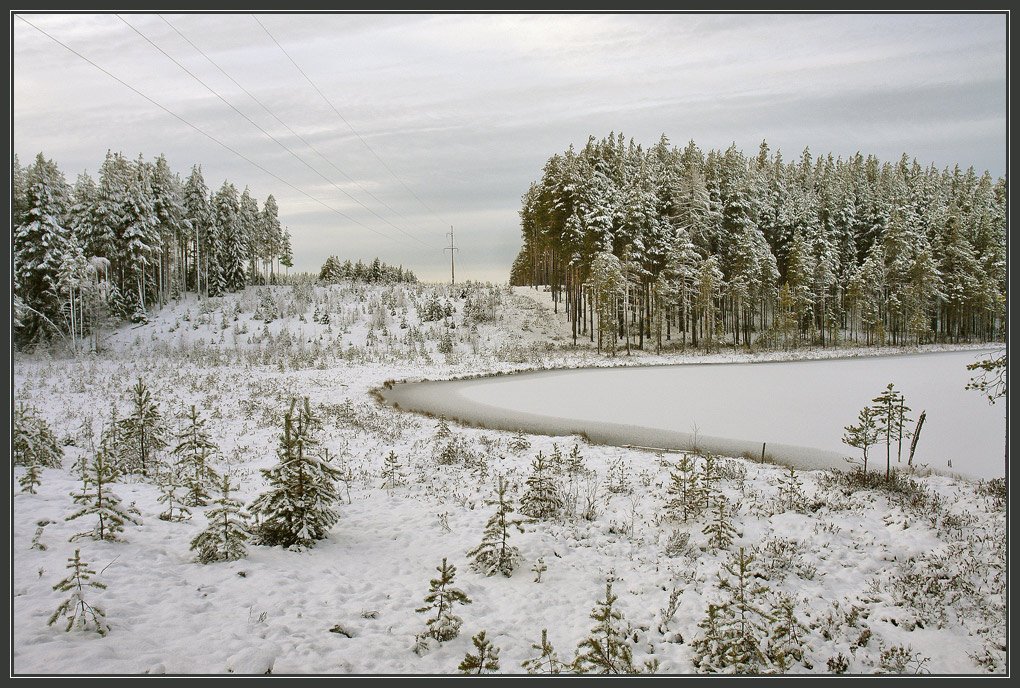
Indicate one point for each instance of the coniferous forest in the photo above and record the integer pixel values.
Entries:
(670, 247)
(136, 238)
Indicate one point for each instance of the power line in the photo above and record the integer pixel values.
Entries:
(344, 120)
(299, 137)
(250, 121)
(193, 126)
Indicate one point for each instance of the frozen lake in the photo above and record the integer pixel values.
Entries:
(797, 408)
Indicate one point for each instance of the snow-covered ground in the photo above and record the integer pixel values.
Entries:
(798, 408)
(908, 580)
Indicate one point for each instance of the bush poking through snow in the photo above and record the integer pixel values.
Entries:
(486, 661)
(443, 624)
(76, 609)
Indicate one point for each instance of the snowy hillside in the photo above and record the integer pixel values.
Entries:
(840, 573)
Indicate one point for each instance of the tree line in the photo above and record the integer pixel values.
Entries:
(334, 271)
(681, 247)
(136, 238)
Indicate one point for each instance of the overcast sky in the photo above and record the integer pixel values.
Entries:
(455, 115)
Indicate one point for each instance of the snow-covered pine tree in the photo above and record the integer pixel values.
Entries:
(225, 537)
(495, 554)
(547, 662)
(32, 441)
(720, 530)
(743, 622)
(486, 661)
(791, 494)
(683, 497)
(392, 475)
(142, 433)
(98, 499)
(193, 451)
(707, 481)
(300, 506)
(889, 412)
(31, 479)
(78, 612)
(606, 650)
(541, 498)
(786, 635)
(708, 646)
(575, 461)
(443, 431)
(863, 435)
(442, 623)
(173, 493)
(519, 443)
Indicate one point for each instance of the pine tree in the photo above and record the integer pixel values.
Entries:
(78, 612)
(720, 530)
(142, 432)
(708, 647)
(193, 451)
(392, 475)
(575, 461)
(443, 431)
(495, 554)
(605, 650)
(442, 623)
(97, 499)
(519, 443)
(486, 661)
(547, 662)
(707, 481)
(863, 435)
(172, 492)
(684, 495)
(743, 622)
(791, 496)
(225, 537)
(890, 419)
(541, 498)
(31, 479)
(32, 441)
(786, 642)
(300, 506)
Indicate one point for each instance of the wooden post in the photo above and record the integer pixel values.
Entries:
(913, 442)
(763, 452)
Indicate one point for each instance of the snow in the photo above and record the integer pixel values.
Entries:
(794, 407)
(851, 558)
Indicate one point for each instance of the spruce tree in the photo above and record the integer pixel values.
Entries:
(495, 554)
(300, 506)
(684, 495)
(97, 499)
(142, 432)
(547, 662)
(225, 537)
(605, 650)
(78, 612)
(193, 451)
(486, 661)
(30, 480)
(442, 623)
(541, 498)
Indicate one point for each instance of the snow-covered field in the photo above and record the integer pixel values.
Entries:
(798, 408)
(905, 580)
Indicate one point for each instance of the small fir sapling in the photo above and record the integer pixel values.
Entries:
(142, 432)
(541, 499)
(575, 461)
(300, 505)
(791, 495)
(392, 475)
(173, 494)
(78, 612)
(720, 530)
(443, 431)
(547, 662)
(606, 649)
(864, 435)
(743, 621)
(709, 478)
(684, 495)
(495, 554)
(193, 451)
(442, 623)
(555, 461)
(98, 499)
(32, 441)
(519, 443)
(617, 481)
(786, 642)
(31, 479)
(708, 647)
(225, 538)
(486, 659)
